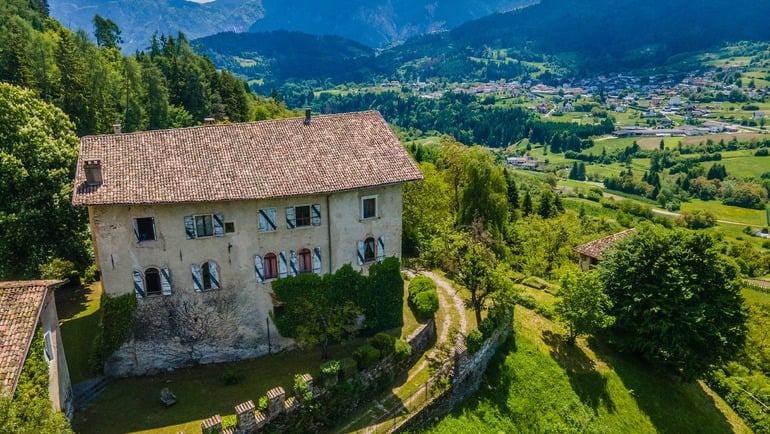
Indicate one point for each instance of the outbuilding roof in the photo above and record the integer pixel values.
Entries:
(596, 248)
(20, 306)
(255, 160)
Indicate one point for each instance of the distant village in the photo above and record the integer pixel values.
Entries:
(656, 98)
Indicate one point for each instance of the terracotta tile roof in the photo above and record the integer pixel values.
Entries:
(255, 160)
(20, 304)
(596, 248)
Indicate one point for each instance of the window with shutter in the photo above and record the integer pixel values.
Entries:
(197, 276)
(305, 261)
(380, 249)
(165, 280)
(291, 222)
(315, 214)
(144, 229)
(293, 263)
(152, 281)
(317, 260)
(282, 265)
(267, 221)
(369, 250)
(138, 283)
(259, 269)
(270, 266)
(219, 225)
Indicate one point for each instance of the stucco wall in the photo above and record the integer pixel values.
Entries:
(119, 255)
(59, 385)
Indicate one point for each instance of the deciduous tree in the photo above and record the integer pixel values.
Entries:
(583, 304)
(676, 299)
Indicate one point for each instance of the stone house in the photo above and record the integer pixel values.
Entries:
(591, 253)
(184, 212)
(23, 306)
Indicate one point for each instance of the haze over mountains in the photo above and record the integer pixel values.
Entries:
(375, 23)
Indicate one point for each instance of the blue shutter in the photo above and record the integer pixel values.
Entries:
(197, 276)
(380, 249)
(360, 252)
(136, 231)
(317, 260)
(291, 221)
(214, 275)
(138, 283)
(219, 225)
(315, 214)
(282, 264)
(189, 226)
(165, 281)
(267, 220)
(258, 269)
(293, 263)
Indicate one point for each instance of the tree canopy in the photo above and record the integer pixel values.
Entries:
(38, 150)
(676, 299)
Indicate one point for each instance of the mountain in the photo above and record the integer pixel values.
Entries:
(372, 22)
(376, 23)
(138, 20)
(569, 37)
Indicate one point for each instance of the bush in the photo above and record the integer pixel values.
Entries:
(91, 274)
(402, 350)
(262, 403)
(474, 341)
(366, 356)
(420, 284)
(425, 304)
(60, 269)
(330, 368)
(761, 152)
(383, 342)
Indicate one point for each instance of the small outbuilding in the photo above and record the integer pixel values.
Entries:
(591, 253)
(23, 306)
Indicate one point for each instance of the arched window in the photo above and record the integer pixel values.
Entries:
(369, 250)
(152, 281)
(305, 261)
(206, 276)
(270, 263)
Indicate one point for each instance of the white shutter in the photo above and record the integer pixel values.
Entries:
(267, 220)
(258, 269)
(282, 272)
(315, 214)
(197, 276)
(360, 252)
(317, 260)
(291, 221)
(380, 249)
(219, 225)
(138, 283)
(136, 231)
(189, 226)
(165, 281)
(214, 275)
(293, 262)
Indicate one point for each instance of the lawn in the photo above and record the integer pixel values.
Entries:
(729, 213)
(542, 384)
(78, 309)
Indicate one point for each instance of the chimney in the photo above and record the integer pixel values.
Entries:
(208, 121)
(116, 128)
(93, 170)
(307, 116)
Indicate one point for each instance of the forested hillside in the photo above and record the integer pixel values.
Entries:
(68, 86)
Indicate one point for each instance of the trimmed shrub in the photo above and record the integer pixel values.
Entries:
(366, 356)
(402, 350)
(474, 341)
(383, 342)
(425, 304)
(420, 284)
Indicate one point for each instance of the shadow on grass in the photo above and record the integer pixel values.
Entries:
(78, 310)
(671, 404)
(589, 385)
